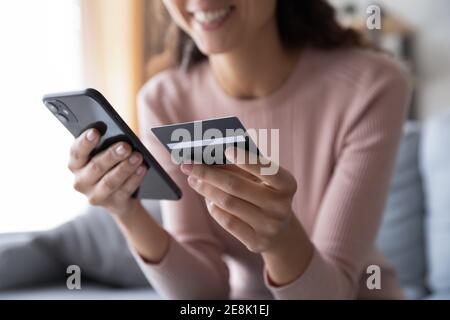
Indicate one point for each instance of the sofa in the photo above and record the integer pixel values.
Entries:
(415, 232)
(414, 236)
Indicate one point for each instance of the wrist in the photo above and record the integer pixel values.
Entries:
(289, 257)
(127, 217)
(281, 243)
(128, 209)
(148, 238)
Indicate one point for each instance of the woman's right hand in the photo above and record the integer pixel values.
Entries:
(111, 177)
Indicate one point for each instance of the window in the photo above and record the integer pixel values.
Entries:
(40, 53)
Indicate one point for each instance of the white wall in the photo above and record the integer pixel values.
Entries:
(40, 53)
(432, 21)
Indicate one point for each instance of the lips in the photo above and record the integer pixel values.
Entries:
(211, 18)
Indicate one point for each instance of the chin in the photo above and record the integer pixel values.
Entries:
(214, 26)
(218, 43)
(214, 49)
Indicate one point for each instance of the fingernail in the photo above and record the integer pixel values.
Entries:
(187, 168)
(135, 159)
(91, 135)
(121, 150)
(140, 171)
(193, 182)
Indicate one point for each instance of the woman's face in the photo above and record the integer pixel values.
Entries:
(219, 26)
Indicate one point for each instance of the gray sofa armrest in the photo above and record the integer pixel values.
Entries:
(435, 159)
(92, 241)
(88, 291)
(401, 236)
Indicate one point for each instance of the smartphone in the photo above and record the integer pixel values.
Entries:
(83, 110)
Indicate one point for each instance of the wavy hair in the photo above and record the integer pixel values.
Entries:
(300, 23)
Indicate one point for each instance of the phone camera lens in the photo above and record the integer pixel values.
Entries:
(53, 108)
(62, 118)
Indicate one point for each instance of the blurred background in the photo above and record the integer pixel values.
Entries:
(115, 46)
(63, 45)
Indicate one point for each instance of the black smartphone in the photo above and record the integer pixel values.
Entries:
(83, 110)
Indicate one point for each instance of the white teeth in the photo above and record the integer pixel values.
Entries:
(208, 17)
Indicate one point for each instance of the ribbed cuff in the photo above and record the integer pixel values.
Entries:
(166, 268)
(310, 285)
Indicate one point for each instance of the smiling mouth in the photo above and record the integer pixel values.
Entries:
(212, 19)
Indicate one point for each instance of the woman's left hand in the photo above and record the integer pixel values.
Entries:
(253, 207)
(256, 209)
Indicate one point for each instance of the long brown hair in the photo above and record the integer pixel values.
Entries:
(300, 23)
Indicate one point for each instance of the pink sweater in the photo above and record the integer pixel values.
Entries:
(340, 117)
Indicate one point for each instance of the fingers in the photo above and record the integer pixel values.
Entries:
(280, 179)
(236, 227)
(229, 181)
(241, 173)
(241, 209)
(115, 179)
(132, 184)
(95, 169)
(81, 149)
(111, 177)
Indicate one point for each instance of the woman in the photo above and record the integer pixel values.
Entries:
(306, 232)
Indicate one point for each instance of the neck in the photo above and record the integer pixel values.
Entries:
(256, 69)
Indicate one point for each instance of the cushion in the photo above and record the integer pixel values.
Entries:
(401, 236)
(92, 241)
(25, 261)
(88, 291)
(439, 296)
(435, 161)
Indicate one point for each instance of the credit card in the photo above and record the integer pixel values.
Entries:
(205, 141)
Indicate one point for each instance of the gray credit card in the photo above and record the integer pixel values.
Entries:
(205, 141)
